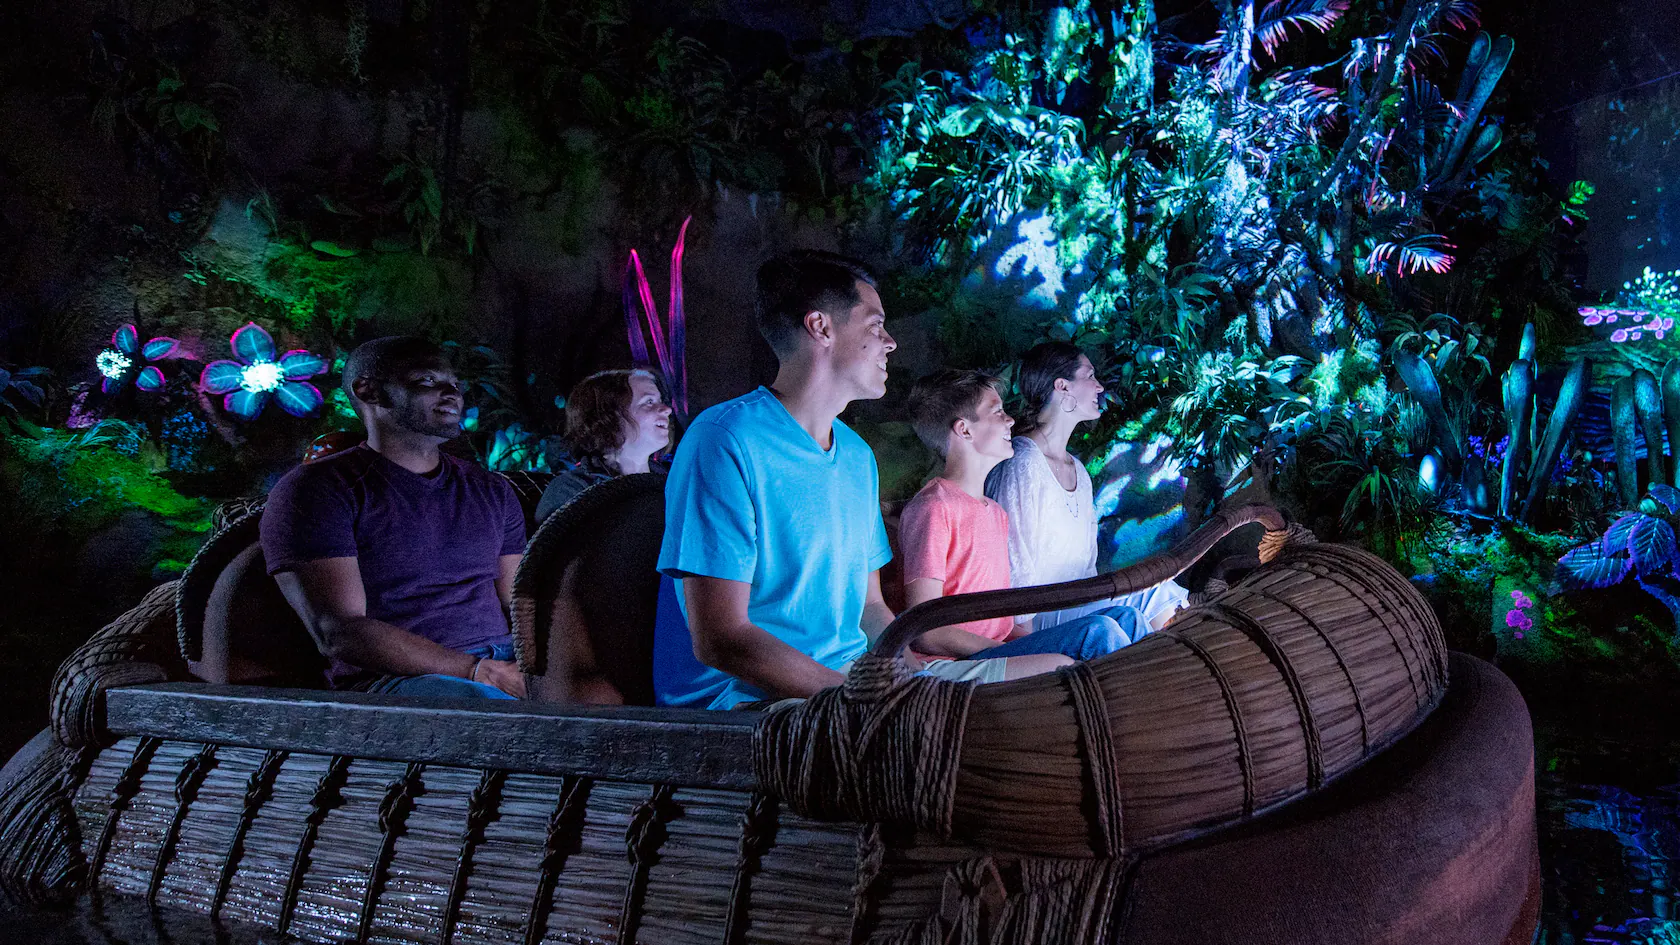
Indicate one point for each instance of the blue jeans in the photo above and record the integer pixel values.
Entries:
(1083, 638)
(440, 686)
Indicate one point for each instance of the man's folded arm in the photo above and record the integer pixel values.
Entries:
(725, 639)
(328, 595)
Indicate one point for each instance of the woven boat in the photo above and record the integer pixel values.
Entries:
(1293, 710)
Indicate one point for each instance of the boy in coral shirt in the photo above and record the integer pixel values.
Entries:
(956, 541)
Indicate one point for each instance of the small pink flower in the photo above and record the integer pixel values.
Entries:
(1518, 635)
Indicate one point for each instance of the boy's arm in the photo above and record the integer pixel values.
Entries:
(725, 639)
(941, 641)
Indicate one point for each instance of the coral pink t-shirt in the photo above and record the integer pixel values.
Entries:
(948, 535)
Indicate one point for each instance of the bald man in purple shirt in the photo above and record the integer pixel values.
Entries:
(397, 557)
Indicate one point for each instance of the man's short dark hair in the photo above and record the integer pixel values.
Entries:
(793, 284)
(941, 398)
(389, 359)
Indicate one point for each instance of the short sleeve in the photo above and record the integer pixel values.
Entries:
(711, 524)
(310, 515)
(513, 518)
(924, 534)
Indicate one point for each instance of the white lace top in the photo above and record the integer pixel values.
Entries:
(1053, 533)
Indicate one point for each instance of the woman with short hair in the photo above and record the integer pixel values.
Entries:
(616, 423)
(1046, 491)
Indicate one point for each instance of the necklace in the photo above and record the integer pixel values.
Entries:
(1070, 497)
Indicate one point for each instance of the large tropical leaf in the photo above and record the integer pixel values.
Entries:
(1623, 424)
(1615, 540)
(1588, 567)
(1571, 396)
(1518, 390)
(1647, 402)
(1413, 255)
(1279, 17)
(1667, 495)
(1652, 545)
(1419, 378)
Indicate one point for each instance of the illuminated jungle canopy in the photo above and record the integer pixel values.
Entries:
(1312, 259)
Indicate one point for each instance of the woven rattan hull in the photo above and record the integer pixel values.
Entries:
(1259, 695)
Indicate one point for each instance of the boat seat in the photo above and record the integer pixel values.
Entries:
(586, 594)
(529, 487)
(251, 635)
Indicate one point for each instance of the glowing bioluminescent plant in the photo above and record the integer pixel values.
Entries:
(1641, 543)
(126, 360)
(668, 346)
(1647, 305)
(248, 383)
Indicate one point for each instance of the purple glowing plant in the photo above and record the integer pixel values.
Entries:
(249, 382)
(670, 347)
(126, 360)
(1517, 617)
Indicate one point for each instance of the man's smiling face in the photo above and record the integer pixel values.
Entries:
(861, 345)
(427, 400)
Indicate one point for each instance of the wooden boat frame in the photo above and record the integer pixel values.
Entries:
(114, 802)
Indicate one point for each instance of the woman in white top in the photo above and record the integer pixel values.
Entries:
(1047, 492)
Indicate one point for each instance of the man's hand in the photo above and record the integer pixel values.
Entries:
(503, 674)
(329, 597)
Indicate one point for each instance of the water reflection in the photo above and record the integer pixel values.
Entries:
(1609, 808)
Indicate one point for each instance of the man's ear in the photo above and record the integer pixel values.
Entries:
(819, 326)
(369, 392)
(961, 430)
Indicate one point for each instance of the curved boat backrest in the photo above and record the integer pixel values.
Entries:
(232, 621)
(529, 487)
(585, 596)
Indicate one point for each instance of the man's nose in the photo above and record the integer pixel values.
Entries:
(891, 344)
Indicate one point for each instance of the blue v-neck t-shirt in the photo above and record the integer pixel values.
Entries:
(751, 497)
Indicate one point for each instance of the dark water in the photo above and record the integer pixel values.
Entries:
(1609, 816)
(1609, 810)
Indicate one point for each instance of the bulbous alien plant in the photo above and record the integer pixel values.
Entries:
(1641, 544)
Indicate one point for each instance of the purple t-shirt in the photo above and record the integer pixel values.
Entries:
(429, 547)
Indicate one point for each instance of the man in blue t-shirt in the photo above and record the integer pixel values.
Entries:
(773, 533)
(399, 558)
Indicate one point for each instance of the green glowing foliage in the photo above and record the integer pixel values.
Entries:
(78, 484)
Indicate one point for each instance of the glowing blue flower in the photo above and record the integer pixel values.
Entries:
(126, 360)
(249, 382)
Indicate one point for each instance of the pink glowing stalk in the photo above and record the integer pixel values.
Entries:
(669, 340)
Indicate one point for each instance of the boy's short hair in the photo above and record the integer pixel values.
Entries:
(807, 280)
(941, 398)
(387, 360)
